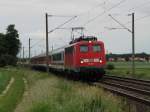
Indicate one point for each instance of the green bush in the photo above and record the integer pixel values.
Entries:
(110, 66)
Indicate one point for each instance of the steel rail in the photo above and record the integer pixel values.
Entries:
(130, 80)
(130, 88)
(148, 81)
(123, 92)
(138, 90)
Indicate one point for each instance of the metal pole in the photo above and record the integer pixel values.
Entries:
(71, 34)
(23, 55)
(133, 40)
(20, 56)
(29, 50)
(133, 46)
(47, 58)
(52, 47)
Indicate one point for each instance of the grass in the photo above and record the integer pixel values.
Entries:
(142, 69)
(9, 101)
(53, 94)
(4, 80)
(13, 97)
(48, 93)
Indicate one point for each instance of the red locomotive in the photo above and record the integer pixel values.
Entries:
(84, 56)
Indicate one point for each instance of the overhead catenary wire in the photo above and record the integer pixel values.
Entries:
(62, 24)
(81, 14)
(138, 19)
(89, 21)
(120, 23)
(36, 43)
(145, 3)
(101, 14)
(63, 16)
(139, 6)
(93, 8)
(136, 7)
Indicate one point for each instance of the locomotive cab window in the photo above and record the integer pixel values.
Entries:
(96, 48)
(83, 48)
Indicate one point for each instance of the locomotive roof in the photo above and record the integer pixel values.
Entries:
(83, 38)
(40, 55)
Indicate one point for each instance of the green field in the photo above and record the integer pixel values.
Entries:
(142, 69)
(48, 93)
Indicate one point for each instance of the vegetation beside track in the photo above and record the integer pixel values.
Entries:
(9, 100)
(4, 80)
(55, 94)
(49, 93)
(142, 69)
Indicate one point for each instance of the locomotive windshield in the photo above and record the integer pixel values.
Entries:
(83, 48)
(96, 48)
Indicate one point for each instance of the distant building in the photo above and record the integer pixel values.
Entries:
(142, 57)
(111, 59)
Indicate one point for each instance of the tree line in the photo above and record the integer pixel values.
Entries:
(9, 46)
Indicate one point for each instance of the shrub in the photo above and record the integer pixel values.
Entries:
(3, 61)
(7, 60)
(110, 66)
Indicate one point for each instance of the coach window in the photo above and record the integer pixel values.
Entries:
(56, 57)
(83, 48)
(96, 48)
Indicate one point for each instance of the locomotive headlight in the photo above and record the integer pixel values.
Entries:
(100, 61)
(81, 61)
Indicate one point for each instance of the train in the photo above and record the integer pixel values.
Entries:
(82, 57)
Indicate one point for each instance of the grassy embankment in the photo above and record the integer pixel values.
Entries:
(125, 69)
(9, 101)
(14, 95)
(53, 94)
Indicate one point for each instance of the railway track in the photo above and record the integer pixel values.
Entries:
(138, 90)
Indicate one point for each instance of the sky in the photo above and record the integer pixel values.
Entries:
(29, 19)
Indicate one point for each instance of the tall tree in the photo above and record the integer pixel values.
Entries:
(12, 41)
(2, 48)
(9, 46)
